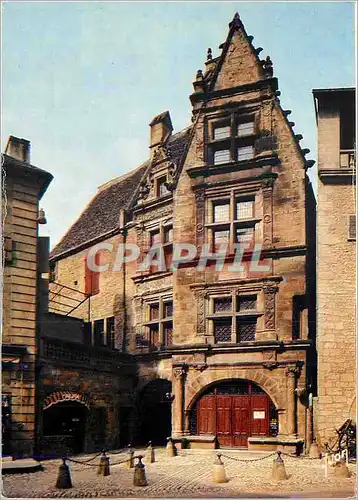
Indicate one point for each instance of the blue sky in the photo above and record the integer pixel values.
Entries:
(82, 81)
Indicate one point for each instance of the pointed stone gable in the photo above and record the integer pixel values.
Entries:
(239, 63)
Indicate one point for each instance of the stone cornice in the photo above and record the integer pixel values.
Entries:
(336, 175)
(271, 83)
(258, 162)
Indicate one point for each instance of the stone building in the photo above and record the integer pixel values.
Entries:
(223, 357)
(336, 258)
(23, 187)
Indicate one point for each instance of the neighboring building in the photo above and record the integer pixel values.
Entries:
(336, 261)
(224, 358)
(23, 187)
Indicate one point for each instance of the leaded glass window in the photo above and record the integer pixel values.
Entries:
(245, 129)
(222, 305)
(245, 153)
(244, 209)
(221, 156)
(222, 330)
(246, 329)
(222, 132)
(222, 212)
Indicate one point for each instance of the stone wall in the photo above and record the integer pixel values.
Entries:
(19, 306)
(336, 313)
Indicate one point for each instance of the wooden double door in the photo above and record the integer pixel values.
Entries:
(233, 418)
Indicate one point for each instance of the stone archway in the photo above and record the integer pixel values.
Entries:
(62, 396)
(260, 377)
(233, 410)
(64, 422)
(154, 412)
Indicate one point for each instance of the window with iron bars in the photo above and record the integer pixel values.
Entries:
(231, 221)
(231, 139)
(159, 325)
(234, 318)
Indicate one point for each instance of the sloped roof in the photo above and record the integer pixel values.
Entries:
(101, 215)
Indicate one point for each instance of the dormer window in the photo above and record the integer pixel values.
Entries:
(162, 189)
(231, 140)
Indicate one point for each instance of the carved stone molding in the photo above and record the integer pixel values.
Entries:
(200, 217)
(180, 371)
(292, 371)
(270, 365)
(200, 304)
(200, 367)
(269, 294)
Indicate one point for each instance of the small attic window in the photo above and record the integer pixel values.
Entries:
(162, 189)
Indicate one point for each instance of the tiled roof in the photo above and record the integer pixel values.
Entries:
(101, 215)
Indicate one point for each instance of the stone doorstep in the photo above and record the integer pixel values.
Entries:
(286, 444)
(20, 466)
(204, 441)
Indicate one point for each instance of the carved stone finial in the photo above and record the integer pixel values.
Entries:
(306, 151)
(199, 75)
(235, 23)
(209, 54)
(268, 67)
(258, 50)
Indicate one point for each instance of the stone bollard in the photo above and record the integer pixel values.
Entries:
(219, 473)
(64, 477)
(340, 469)
(151, 452)
(314, 450)
(139, 478)
(278, 469)
(130, 463)
(103, 468)
(172, 451)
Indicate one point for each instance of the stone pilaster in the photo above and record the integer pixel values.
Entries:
(291, 375)
(179, 376)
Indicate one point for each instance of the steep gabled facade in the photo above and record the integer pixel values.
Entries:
(227, 351)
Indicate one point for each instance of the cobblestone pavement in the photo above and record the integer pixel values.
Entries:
(187, 475)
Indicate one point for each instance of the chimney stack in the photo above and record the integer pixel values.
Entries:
(18, 148)
(160, 129)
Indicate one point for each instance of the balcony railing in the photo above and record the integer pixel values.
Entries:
(71, 353)
(347, 158)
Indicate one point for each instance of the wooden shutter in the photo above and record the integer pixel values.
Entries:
(92, 277)
(352, 228)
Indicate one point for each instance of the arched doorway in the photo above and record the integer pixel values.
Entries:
(155, 412)
(64, 425)
(233, 411)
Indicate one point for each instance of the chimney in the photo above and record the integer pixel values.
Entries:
(18, 148)
(160, 129)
